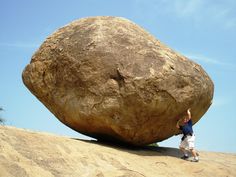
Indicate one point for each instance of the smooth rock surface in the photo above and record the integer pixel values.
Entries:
(108, 78)
(33, 154)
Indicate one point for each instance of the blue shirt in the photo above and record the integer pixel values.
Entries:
(187, 127)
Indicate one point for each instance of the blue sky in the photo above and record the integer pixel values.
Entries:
(203, 30)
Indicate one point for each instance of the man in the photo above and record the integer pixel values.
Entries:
(187, 141)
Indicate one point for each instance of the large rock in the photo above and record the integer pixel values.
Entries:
(110, 79)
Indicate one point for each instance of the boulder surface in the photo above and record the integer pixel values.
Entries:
(108, 78)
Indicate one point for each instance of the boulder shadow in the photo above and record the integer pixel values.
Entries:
(142, 151)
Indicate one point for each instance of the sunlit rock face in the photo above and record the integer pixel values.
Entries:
(108, 78)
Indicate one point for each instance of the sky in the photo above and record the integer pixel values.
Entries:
(202, 30)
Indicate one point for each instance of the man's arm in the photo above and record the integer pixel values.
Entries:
(177, 124)
(189, 113)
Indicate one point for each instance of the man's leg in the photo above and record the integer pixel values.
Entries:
(182, 148)
(191, 142)
(195, 155)
(193, 152)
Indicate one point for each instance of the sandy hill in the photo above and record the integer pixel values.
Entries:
(24, 153)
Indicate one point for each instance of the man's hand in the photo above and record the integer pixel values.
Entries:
(189, 113)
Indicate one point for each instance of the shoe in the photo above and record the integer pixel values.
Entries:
(195, 160)
(184, 157)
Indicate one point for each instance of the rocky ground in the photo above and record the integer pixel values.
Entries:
(25, 153)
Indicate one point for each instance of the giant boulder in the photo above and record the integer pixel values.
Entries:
(108, 78)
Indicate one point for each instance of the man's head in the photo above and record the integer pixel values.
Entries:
(186, 119)
(183, 120)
